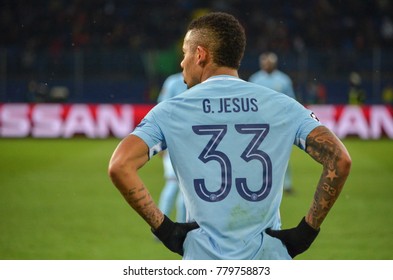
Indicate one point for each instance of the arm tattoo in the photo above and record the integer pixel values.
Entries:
(323, 147)
(141, 200)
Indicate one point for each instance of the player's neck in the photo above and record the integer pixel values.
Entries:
(216, 71)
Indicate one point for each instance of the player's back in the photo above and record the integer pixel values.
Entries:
(230, 144)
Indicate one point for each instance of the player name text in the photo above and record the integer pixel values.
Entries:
(229, 105)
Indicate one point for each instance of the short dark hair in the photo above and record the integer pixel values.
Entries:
(223, 35)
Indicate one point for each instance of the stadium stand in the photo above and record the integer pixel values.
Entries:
(120, 51)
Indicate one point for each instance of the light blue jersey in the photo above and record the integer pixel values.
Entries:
(173, 85)
(230, 142)
(276, 80)
(170, 195)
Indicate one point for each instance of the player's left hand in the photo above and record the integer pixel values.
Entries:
(172, 235)
(297, 239)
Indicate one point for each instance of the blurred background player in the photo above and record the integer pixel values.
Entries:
(269, 76)
(171, 194)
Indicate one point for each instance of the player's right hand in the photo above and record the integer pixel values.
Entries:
(297, 239)
(172, 235)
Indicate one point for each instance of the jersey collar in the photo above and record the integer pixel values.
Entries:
(222, 78)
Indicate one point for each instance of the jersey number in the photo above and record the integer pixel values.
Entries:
(251, 152)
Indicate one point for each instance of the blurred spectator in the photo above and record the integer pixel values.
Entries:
(57, 39)
(152, 24)
(357, 95)
(387, 94)
(37, 92)
(316, 93)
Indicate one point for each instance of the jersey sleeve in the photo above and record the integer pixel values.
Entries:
(308, 121)
(149, 131)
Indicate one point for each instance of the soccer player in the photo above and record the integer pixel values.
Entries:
(230, 141)
(170, 194)
(269, 76)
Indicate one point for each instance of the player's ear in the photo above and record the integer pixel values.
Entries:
(202, 55)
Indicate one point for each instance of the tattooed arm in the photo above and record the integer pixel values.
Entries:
(130, 155)
(323, 146)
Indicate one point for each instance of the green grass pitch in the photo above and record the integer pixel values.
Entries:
(57, 203)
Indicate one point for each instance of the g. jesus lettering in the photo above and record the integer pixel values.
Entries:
(229, 105)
